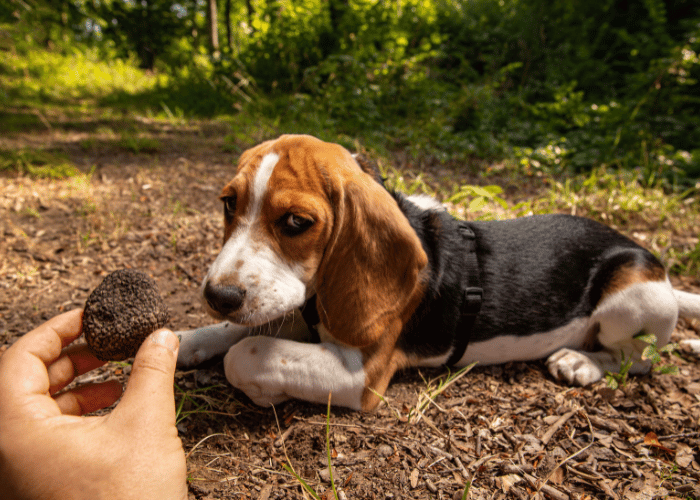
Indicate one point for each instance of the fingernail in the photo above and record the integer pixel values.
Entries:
(166, 338)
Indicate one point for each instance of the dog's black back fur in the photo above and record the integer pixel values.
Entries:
(537, 273)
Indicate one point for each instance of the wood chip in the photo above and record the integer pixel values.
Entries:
(556, 426)
(414, 478)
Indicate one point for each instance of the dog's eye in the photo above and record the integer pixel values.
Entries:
(292, 224)
(229, 205)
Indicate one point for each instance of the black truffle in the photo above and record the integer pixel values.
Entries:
(121, 312)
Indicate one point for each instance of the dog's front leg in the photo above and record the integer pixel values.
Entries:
(272, 370)
(201, 344)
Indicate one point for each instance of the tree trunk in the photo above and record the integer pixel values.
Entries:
(213, 28)
(251, 13)
(336, 11)
(229, 32)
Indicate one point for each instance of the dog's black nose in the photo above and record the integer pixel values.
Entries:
(224, 299)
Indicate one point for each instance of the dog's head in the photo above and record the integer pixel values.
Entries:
(303, 218)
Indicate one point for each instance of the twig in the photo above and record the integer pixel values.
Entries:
(280, 440)
(432, 425)
(556, 426)
(548, 490)
(588, 474)
(681, 435)
(438, 451)
(461, 467)
(546, 480)
(204, 439)
(43, 119)
(290, 469)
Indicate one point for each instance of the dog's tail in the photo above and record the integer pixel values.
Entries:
(688, 304)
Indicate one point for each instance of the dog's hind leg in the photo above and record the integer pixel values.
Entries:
(648, 307)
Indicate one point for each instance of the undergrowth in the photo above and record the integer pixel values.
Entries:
(37, 163)
(62, 88)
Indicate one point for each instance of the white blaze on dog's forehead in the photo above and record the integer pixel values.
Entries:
(272, 285)
(262, 178)
(239, 240)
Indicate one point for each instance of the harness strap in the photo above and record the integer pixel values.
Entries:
(472, 294)
(311, 317)
(472, 297)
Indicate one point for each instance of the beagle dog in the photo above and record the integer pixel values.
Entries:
(329, 283)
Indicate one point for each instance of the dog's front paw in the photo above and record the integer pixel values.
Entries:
(574, 367)
(201, 344)
(191, 355)
(253, 366)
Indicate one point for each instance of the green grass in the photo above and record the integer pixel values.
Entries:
(139, 144)
(44, 89)
(39, 77)
(37, 164)
(433, 388)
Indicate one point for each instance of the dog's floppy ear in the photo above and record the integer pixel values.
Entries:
(370, 278)
(369, 166)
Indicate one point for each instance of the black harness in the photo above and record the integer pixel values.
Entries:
(472, 294)
(472, 297)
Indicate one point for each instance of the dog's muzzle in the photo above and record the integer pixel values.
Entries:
(224, 299)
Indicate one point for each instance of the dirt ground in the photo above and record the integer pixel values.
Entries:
(511, 430)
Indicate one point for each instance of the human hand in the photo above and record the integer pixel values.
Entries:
(49, 451)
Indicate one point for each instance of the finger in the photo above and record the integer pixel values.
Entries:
(89, 398)
(23, 372)
(47, 340)
(149, 395)
(75, 360)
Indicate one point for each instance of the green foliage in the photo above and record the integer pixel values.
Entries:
(561, 87)
(33, 77)
(652, 352)
(616, 380)
(433, 388)
(479, 196)
(686, 262)
(329, 450)
(138, 144)
(148, 29)
(465, 493)
(290, 469)
(37, 163)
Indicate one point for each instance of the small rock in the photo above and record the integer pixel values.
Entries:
(384, 450)
(325, 475)
(203, 378)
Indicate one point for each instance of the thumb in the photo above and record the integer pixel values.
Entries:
(149, 392)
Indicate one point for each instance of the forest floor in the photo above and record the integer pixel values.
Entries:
(151, 202)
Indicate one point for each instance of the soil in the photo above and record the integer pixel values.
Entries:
(509, 431)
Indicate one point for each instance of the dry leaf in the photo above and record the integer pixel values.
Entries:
(684, 455)
(651, 439)
(557, 477)
(508, 481)
(603, 438)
